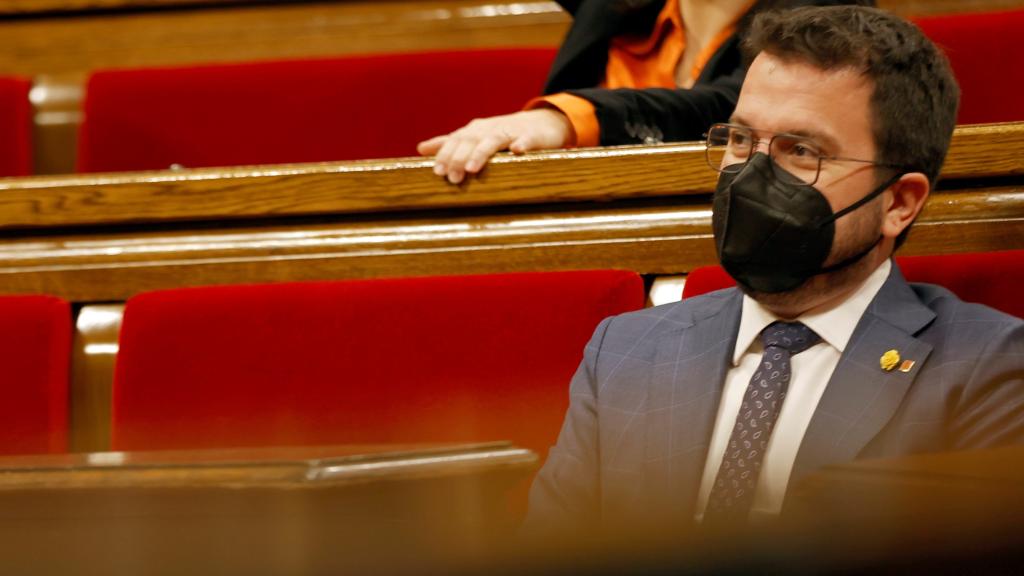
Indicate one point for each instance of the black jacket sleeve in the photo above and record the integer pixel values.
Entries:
(653, 115)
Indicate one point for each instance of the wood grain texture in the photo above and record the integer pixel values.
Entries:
(244, 31)
(670, 236)
(299, 468)
(935, 7)
(49, 7)
(348, 187)
(259, 32)
(262, 512)
(93, 351)
(599, 174)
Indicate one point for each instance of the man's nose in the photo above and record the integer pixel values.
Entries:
(761, 145)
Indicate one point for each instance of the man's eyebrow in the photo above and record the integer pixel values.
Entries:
(821, 138)
(738, 121)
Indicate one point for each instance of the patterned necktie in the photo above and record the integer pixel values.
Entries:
(733, 491)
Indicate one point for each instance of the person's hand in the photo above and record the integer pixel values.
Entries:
(469, 148)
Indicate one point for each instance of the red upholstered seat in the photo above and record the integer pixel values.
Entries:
(987, 55)
(377, 106)
(473, 358)
(991, 278)
(35, 351)
(15, 127)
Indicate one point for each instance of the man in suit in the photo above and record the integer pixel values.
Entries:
(711, 409)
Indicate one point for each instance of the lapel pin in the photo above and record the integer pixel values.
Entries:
(889, 360)
(907, 366)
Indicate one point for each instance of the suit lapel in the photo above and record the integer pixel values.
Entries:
(689, 372)
(861, 396)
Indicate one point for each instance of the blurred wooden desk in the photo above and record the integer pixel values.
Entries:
(946, 512)
(249, 511)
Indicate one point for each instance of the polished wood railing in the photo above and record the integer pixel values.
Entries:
(301, 510)
(104, 237)
(47, 8)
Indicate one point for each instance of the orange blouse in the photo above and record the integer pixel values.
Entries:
(635, 62)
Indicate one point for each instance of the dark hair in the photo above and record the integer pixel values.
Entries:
(743, 26)
(915, 96)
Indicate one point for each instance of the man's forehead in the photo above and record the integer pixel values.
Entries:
(792, 95)
(793, 67)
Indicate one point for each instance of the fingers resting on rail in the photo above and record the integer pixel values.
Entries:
(467, 150)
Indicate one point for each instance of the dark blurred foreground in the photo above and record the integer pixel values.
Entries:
(446, 510)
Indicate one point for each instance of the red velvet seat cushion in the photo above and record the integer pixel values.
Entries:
(991, 278)
(987, 55)
(35, 350)
(473, 358)
(15, 127)
(377, 106)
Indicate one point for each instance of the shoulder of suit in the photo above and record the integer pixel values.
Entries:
(675, 315)
(948, 307)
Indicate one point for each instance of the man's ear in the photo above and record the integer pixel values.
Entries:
(905, 198)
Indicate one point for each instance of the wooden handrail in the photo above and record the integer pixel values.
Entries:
(667, 237)
(599, 174)
(106, 237)
(49, 7)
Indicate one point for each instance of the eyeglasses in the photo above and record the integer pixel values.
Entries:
(795, 159)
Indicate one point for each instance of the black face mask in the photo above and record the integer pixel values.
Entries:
(773, 236)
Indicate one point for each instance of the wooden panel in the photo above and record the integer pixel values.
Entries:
(290, 511)
(93, 353)
(297, 468)
(291, 30)
(933, 7)
(669, 237)
(920, 506)
(57, 116)
(599, 174)
(47, 7)
(254, 30)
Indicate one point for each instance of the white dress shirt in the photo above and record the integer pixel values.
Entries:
(811, 371)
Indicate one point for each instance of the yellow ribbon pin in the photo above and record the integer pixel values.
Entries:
(889, 360)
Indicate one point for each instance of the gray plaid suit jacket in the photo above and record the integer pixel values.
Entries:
(643, 401)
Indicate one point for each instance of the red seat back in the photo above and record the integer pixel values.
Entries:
(357, 107)
(15, 127)
(473, 358)
(987, 55)
(991, 278)
(35, 352)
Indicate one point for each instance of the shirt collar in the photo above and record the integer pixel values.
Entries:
(835, 325)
